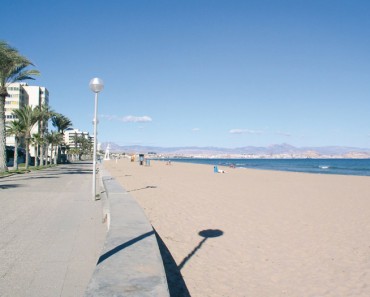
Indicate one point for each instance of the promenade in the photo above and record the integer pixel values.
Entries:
(51, 232)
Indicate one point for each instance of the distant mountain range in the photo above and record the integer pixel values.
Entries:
(276, 149)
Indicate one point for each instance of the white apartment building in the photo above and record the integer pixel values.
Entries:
(21, 94)
(17, 98)
(37, 96)
(70, 136)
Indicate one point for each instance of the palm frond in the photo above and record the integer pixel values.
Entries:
(61, 122)
(13, 64)
(19, 75)
(27, 115)
(15, 128)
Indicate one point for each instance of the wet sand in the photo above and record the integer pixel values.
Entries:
(257, 233)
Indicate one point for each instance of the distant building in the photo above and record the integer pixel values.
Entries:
(71, 134)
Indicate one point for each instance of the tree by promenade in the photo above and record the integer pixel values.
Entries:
(13, 68)
(61, 123)
(27, 118)
(54, 139)
(44, 114)
(82, 146)
(16, 129)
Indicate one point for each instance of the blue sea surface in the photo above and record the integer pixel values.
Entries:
(321, 166)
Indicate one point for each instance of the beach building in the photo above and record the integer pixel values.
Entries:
(72, 141)
(71, 134)
(37, 96)
(16, 99)
(20, 95)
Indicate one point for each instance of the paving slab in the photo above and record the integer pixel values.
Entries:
(51, 232)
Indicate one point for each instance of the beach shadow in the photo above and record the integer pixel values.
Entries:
(123, 246)
(209, 233)
(69, 171)
(78, 172)
(18, 178)
(147, 187)
(11, 186)
(175, 281)
(42, 177)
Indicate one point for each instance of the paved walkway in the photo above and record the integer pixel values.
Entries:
(51, 232)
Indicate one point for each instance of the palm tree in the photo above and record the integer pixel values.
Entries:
(54, 139)
(37, 142)
(12, 69)
(65, 150)
(73, 152)
(44, 113)
(57, 141)
(83, 146)
(47, 140)
(27, 115)
(16, 129)
(62, 123)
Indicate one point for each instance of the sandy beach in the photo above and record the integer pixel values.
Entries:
(265, 233)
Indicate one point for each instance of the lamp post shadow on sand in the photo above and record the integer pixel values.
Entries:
(176, 283)
(209, 233)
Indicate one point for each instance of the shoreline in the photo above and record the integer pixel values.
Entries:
(283, 233)
(353, 167)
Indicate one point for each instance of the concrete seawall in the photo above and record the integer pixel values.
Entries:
(130, 263)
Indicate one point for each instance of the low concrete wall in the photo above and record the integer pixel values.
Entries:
(130, 264)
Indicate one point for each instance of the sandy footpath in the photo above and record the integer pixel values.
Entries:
(275, 233)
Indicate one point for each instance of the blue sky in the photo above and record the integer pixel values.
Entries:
(205, 72)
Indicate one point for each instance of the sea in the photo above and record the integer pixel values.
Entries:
(320, 166)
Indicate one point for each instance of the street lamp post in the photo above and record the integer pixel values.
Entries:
(96, 85)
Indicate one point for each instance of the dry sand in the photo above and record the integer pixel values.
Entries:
(284, 234)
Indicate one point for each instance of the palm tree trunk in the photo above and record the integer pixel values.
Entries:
(3, 167)
(37, 155)
(42, 155)
(59, 154)
(46, 152)
(55, 155)
(27, 152)
(15, 162)
(51, 154)
(42, 146)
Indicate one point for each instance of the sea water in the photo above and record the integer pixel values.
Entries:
(323, 166)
